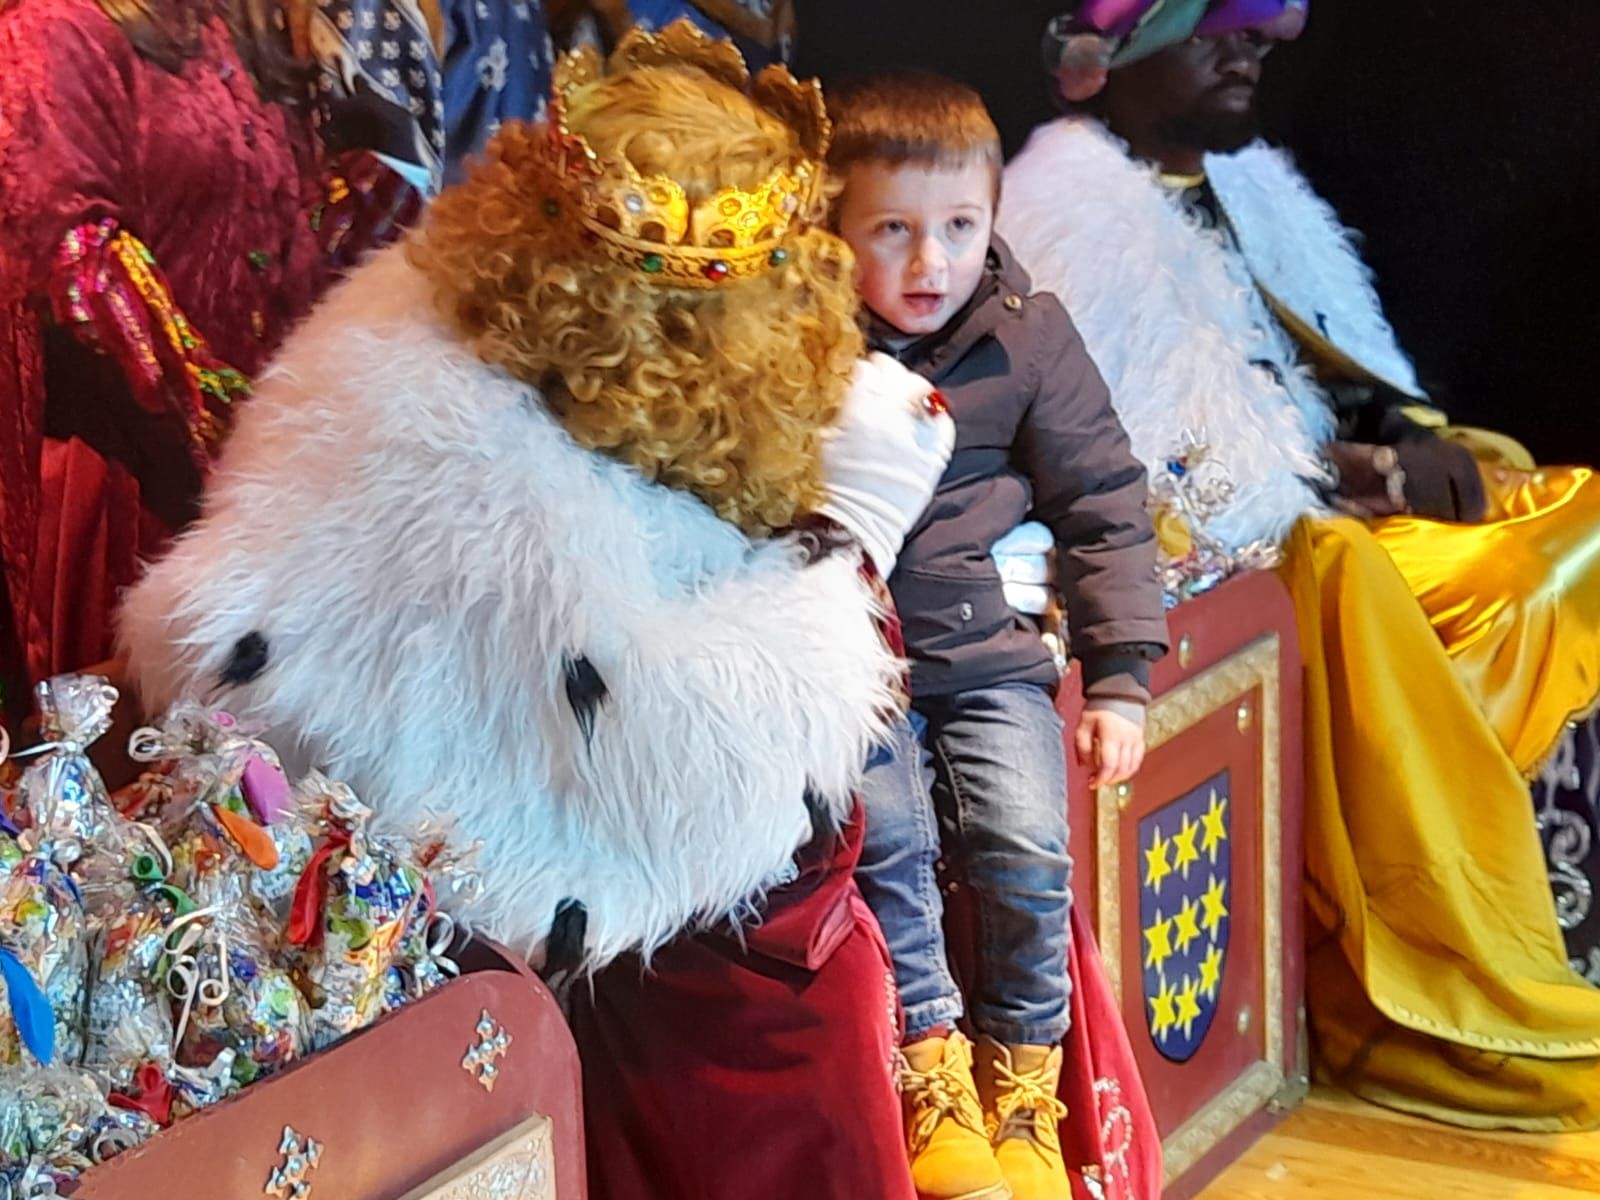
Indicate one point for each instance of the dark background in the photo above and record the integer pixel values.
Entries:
(1461, 136)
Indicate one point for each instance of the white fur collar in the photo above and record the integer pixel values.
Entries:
(1299, 251)
(1171, 320)
(425, 549)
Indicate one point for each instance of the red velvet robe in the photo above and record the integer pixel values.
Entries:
(763, 1066)
(107, 415)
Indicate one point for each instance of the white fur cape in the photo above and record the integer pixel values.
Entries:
(1167, 312)
(425, 551)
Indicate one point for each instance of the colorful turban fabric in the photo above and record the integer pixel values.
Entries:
(1119, 32)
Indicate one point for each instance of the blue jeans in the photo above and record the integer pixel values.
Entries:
(989, 767)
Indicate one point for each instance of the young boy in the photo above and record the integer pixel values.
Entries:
(919, 159)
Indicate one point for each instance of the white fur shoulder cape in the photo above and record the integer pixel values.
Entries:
(1168, 318)
(465, 612)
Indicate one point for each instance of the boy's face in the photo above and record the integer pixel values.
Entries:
(920, 236)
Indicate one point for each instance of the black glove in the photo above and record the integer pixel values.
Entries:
(1423, 474)
(1442, 480)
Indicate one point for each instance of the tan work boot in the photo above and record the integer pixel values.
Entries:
(945, 1135)
(1017, 1085)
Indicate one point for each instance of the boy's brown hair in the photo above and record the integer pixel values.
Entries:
(911, 117)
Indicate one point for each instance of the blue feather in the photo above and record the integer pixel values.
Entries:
(29, 1008)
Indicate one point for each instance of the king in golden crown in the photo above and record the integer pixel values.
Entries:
(652, 257)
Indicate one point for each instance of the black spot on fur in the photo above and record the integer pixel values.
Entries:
(823, 822)
(586, 693)
(565, 947)
(247, 661)
(564, 951)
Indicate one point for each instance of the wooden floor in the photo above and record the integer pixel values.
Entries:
(1338, 1148)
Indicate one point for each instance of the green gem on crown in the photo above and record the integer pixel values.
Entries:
(651, 264)
(778, 257)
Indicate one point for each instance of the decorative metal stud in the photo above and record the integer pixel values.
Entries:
(1185, 651)
(1124, 796)
(481, 1061)
(300, 1158)
(1244, 717)
(1245, 1019)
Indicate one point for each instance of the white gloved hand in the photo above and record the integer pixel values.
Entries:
(883, 459)
(1023, 560)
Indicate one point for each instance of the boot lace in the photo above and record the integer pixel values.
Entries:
(1025, 1106)
(934, 1094)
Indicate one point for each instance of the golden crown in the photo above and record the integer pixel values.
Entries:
(647, 223)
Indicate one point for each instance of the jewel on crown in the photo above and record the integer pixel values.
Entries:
(647, 223)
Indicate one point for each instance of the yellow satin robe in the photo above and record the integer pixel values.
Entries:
(1443, 663)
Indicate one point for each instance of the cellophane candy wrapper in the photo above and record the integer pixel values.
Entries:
(424, 961)
(130, 1008)
(272, 891)
(65, 800)
(206, 928)
(198, 755)
(194, 1088)
(202, 759)
(265, 1019)
(354, 908)
(55, 1123)
(226, 973)
(44, 922)
(132, 907)
(43, 963)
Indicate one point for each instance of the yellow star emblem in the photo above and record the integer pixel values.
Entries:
(1155, 863)
(1211, 972)
(1216, 832)
(1162, 1016)
(1185, 927)
(1216, 908)
(1188, 1010)
(1160, 947)
(1183, 847)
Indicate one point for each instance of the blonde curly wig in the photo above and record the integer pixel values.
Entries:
(721, 392)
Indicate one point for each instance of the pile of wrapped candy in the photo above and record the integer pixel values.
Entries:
(207, 925)
(1192, 488)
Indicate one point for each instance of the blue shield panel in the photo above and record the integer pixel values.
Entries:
(1185, 891)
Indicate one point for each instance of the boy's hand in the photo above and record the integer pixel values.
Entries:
(1110, 745)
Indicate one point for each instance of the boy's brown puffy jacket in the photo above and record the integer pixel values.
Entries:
(1036, 437)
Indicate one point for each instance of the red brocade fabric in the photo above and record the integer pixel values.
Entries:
(159, 234)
